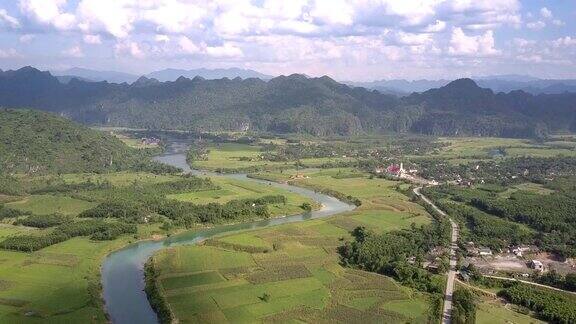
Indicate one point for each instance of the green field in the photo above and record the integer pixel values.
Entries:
(230, 189)
(299, 278)
(49, 204)
(233, 156)
(464, 149)
(60, 283)
(494, 312)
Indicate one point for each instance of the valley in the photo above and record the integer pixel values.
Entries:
(261, 227)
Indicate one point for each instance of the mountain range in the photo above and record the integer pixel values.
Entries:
(497, 83)
(397, 87)
(163, 75)
(295, 103)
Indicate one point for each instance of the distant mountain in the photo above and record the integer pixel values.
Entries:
(507, 77)
(401, 86)
(209, 74)
(295, 103)
(38, 142)
(497, 83)
(93, 75)
(68, 78)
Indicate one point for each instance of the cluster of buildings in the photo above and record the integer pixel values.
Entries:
(150, 141)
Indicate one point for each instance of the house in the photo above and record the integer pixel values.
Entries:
(520, 250)
(484, 251)
(379, 170)
(396, 170)
(537, 265)
(153, 141)
(298, 176)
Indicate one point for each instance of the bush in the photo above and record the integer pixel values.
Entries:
(43, 221)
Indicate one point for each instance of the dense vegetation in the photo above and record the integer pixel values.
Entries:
(502, 171)
(291, 104)
(489, 215)
(96, 229)
(463, 307)
(388, 253)
(554, 306)
(36, 143)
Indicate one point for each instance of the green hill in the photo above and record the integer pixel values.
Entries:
(38, 142)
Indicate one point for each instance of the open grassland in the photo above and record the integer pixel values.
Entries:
(231, 189)
(495, 312)
(234, 156)
(60, 283)
(299, 277)
(477, 148)
(50, 204)
(118, 178)
(383, 208)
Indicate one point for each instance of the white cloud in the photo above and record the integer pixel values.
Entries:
(564, 42)
(162, 38)
(75, 52)
(462, 44)
(558, 22)
(546, 13)
(337, 12)
(536, 25)
(48, 12)
(188, 46)
(9, 53)
(92, 39)
(128, 47)
(438, 26)
(173, 16)
(7, 20)
(26, 38)
(226, 50)
(114, 17)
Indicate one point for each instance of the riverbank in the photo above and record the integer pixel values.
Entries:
(292, 271)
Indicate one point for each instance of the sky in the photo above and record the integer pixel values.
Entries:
(355, 40)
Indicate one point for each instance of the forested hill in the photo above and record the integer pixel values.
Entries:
(295, 103)
(38, 142)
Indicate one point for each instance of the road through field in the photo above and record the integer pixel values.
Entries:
(447, 310)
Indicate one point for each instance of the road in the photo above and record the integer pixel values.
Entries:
(532, 283)
(447, 310)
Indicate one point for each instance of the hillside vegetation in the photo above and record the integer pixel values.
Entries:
(38, 142)
(291, 104)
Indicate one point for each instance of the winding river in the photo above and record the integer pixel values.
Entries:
(122, 271)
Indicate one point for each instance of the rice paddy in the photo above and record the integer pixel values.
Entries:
(298, 278)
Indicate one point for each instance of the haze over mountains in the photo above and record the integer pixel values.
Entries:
(295, 103)
(162, 75)
(398, 87)
(497, 83)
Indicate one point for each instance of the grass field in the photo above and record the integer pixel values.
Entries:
(474, 148)
(300, 278)
(60, 283)
(49, 204)
(234, 155)
(230, 189)
(494, 312)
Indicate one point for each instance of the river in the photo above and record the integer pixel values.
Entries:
(122, 271)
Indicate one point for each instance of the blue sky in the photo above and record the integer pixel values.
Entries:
(346, 39)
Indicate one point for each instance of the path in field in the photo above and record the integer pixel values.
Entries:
(531, 283)
(447, 310)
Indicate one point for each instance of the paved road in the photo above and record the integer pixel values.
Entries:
(447, 311)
